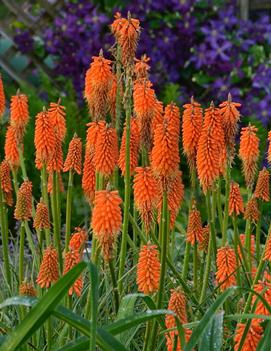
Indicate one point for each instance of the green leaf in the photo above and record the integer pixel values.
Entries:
(126, 309)
(94, 291)
(207, 318)
(264, 344)
(212, 338)
(42, 310)
(80, 344)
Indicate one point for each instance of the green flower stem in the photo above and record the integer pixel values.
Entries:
(195, 266)
(45, 199)
(15, 180)
(235, 241)
(114, 282)
(226, 207)
(248, 242)
(69, 210)
(258, 231)
(4, 230)
(22, 163)
(118, 92)
(127, 182)
(211, 220)
(56, 219)
(31, 242)
(219, 205)
(21, 253)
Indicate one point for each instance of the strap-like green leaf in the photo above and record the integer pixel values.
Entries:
(94, 291)
(212, 338)
(42, 310)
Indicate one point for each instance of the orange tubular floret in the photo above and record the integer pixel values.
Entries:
(144, 108)
(23, 209)
(88, 178)
(48, 273)
(191, 127)
(165, 152)
(106, 151)
(92, 134)
(78, 240)
(267, 252)
(148, 269)
(19, 114)
(177, 304)
(252, 212)
(249, 153)
(264, 289)
(106, 220)
(134, 147)
(74, 157)
(230, 118)
(194, 229)
(27, 289)
(145, 194)
(226, 267)
(112, 96)
(2, 98)
(41, 220)
(205, 238)
(5, 181)
(11, 148)
(236, 205)
(252, 339)
(57, 116)
(98, 82)
(262, 190)
(269, 148)
(72, 258)
(45, 140)
(56, 162)
(172, 114)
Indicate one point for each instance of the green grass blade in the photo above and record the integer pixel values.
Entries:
(42, 310)
(264, 343)
(207, 318)
(80, 344)
(94, 279)
(212, 338)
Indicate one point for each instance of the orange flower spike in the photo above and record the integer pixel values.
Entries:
(74, 156)
(98, 82)
(203, 245)
(262, 189)
(89, 178)
(230, 118)
(249, 153)
(145, 105)
(6, 183)
(252, 211)
(191, 128)
(41, 220)
(48, 273)
(78, 240)
(194, 229)
(177, 304)
(127, 37)
(267, 252)
(165, 152)
(117, 24)
(134, 147)
(269, 148)
(142, 67)
(2, 98)
(106, 220)
(252, 244)
(27, 289)
(145, 194)
(45, 141)
(172, 114)
(236, 205)
(19, 114)
(175, 198)
(148, 269)
(226, 267)
(23, 209)
(56, 162)
(72, 258)
(92, 134)
(11, 148)
(252, 339)
(112, 96)
(106, 151)
(264, 289)
(57, 116)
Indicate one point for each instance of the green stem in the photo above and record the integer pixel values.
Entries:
(4, 229)
(235, 240)
(22, 164)
(57, 237)
(211, 220)
(127, 182)
(226, 207)
(195, 266)
(114, 282)
(219, 205)
(15, 180)
(21, 253)
(31, 243)
(248, 242)
(69, 210)
(118, 92)
(45, 199)
(258, 232)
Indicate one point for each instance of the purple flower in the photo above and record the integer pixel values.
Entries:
(220, 51)
(24, 41)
